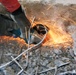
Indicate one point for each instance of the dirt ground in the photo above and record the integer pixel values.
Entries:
(44, 60)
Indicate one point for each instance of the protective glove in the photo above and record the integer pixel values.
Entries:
(23, 23)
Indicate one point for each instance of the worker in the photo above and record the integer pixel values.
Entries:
(14, 7)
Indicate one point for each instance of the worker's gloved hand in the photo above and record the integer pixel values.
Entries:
(22, 21)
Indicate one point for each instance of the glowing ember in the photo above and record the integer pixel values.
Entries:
(6, 39)
(56, 37)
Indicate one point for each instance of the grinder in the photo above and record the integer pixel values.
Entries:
(37, 32)
(40, 29)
